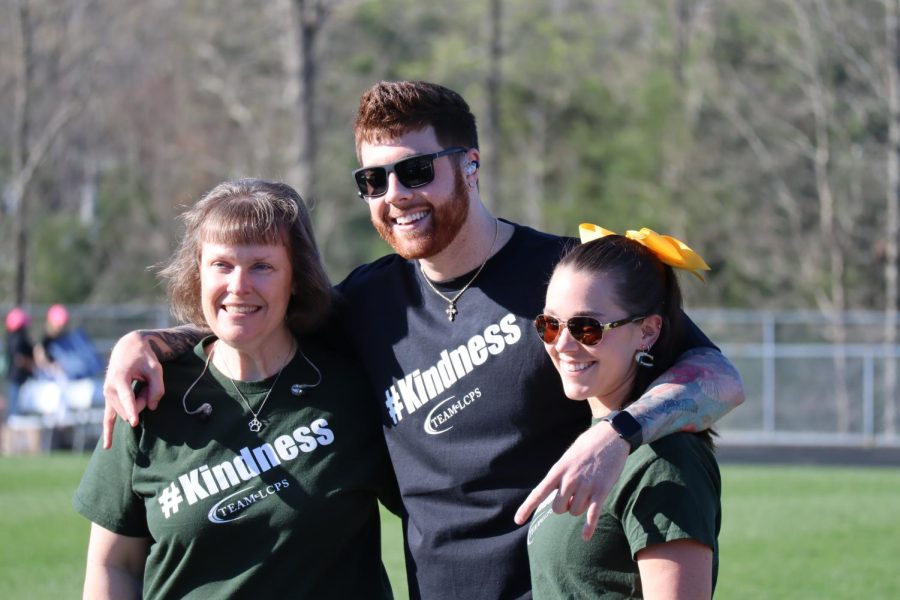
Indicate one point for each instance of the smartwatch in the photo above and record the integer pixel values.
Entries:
(627, 427)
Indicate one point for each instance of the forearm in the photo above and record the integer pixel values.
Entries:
(696, 392)
(169, 343)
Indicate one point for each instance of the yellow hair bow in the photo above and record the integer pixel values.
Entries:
(669, 250)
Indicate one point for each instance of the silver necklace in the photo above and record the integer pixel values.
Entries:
(255, 424)
(451, 302)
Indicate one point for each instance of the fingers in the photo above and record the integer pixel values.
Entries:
(110, 395)
(153, 390)
(563, 499)
(537, 495)
(132, 360)
(593, 516)
(124, 402)
(121, 404)
(139, 405)
(583, 476)
(119, 397)
(582, 496)
(118, 400)
(109, 423)
(573, 497)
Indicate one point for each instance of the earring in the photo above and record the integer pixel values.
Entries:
(643, 358)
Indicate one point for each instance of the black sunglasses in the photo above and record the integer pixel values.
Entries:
(585, 330)
(412, 172)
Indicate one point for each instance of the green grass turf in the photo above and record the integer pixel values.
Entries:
(804, 532)
(43, 541)
(788, 532)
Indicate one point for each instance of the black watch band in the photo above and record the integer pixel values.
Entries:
(627, 427)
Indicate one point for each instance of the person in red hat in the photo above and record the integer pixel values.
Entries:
(19, 356)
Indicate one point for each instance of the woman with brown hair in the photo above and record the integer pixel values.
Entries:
(611, 325)
(260, 476)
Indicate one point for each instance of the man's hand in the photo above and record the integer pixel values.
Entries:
(135, 358)
(584, 477)
(132, 359)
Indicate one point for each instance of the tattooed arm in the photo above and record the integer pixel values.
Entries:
(136, 357)
(701, 388)
(697, 391)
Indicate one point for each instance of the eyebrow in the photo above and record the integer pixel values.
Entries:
(580, 313)
(394, 162)
(229, 255)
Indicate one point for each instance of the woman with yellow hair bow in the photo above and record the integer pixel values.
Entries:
(612, 323)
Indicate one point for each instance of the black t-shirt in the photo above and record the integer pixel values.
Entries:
(18, 344)
(473, 409)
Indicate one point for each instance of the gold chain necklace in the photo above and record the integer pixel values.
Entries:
(255, 424)
(451, 302)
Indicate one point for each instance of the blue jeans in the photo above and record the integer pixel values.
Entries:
(12, 395)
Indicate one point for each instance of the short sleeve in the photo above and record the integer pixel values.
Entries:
(105, 494)
(677, 498)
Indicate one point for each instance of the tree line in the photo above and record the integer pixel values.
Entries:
(765, 133)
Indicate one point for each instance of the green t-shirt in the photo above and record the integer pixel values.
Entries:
(669, 490)
(290, 511)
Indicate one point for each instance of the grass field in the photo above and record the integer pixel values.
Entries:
(788, 532)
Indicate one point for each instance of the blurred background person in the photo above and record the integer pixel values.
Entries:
(66, 353)
(19, 357)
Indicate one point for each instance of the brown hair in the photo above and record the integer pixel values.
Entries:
(244, 212)
(390, 109)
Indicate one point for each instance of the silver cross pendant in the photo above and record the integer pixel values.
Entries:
(451, 311)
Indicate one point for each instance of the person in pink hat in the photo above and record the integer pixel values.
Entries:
(19, 356)
(65, 353)
(54, 330)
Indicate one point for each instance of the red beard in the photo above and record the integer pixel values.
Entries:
(446, 221)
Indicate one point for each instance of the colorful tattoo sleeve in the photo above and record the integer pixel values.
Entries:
(696, 392)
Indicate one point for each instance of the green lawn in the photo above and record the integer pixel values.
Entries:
(43, 539)
(788, 532)
(804, 532)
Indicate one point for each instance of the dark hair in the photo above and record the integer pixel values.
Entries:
(250, 211)
(390, 109)
(642, 285)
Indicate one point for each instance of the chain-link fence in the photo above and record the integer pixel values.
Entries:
(810, 378)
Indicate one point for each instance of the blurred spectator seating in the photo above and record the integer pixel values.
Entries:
(56, 413)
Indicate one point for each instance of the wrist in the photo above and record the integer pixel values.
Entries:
(626, 427)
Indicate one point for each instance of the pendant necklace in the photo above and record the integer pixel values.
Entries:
(451, 302)
(255, 424)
